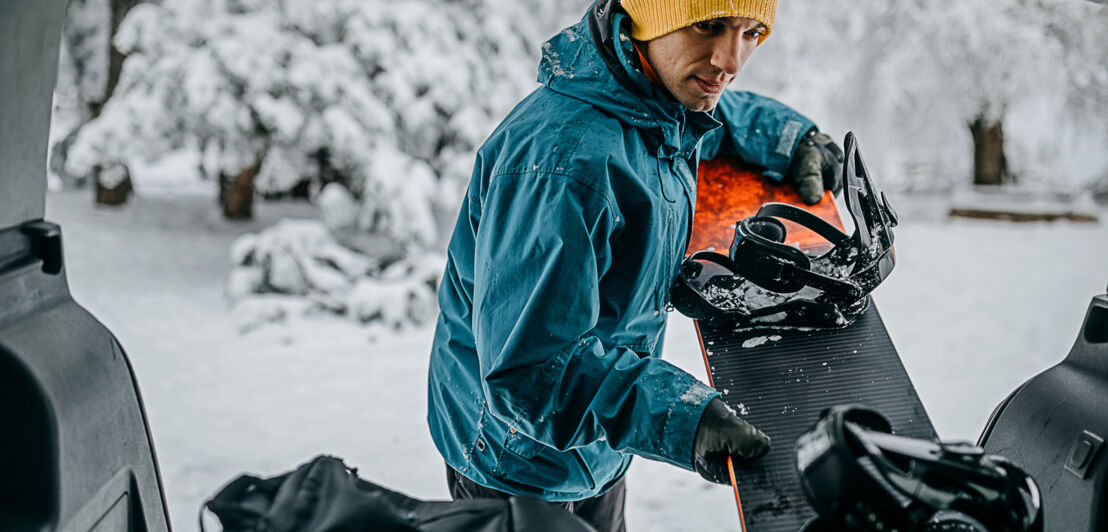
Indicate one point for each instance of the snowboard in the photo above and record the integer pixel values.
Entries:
(780, 379)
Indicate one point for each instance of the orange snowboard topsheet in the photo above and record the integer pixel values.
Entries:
(728, 191)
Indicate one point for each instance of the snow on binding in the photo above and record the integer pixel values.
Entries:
(785, 320)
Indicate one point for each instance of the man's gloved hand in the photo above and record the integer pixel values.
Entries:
(816, 166)
(722, 433)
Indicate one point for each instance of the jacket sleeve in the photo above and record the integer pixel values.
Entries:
(542, 248)
(758, 130)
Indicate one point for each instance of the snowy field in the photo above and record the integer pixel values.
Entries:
(975, 308)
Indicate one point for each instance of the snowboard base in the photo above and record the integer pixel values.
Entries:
(780, 381)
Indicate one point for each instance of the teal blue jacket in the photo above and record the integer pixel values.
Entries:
(545, 373)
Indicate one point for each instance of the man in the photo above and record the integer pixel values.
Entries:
(545, 376)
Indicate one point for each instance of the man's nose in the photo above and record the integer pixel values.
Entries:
(727, 54)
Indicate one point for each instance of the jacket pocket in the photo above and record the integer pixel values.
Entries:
(529, 463)
(521, 445)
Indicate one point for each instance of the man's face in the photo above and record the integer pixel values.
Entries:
(697, 62)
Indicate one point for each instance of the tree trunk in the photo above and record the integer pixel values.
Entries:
(990, 166)
(236, 194)
(120, 8)
(112, 184)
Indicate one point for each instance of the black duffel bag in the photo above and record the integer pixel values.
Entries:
(324, 495)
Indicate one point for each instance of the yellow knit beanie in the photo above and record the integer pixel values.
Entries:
(654, 18)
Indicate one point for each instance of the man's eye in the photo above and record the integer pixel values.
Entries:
(756, 33)
(708, 26)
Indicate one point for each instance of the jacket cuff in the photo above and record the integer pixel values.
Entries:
(682, 420)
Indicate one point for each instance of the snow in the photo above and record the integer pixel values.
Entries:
(975, 308)
(695, 395)
(113, 175)
(299, 257)
(760, 340)
(338, 208)
(1027, 201)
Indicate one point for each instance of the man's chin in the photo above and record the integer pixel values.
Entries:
(704, 104)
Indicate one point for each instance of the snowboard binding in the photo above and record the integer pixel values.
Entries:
(860, 477)
(764, 282)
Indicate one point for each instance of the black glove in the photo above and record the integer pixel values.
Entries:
(722, 433)
(816, 166)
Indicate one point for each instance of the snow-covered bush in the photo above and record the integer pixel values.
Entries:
(300, 258)
(388, 98)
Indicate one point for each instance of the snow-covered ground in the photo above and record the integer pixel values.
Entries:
(974, 307)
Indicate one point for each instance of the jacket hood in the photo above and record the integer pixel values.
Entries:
(587, 63)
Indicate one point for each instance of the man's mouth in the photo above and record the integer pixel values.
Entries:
(710, 87)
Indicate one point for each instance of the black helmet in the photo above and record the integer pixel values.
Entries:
(765, 282)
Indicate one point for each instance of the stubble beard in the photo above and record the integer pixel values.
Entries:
(698, 100)
(705, 104)
(695, 98)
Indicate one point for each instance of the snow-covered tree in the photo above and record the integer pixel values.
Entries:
(84, 58)
(88, 71)
(926, 80)
(387, 98)
(377, 105)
